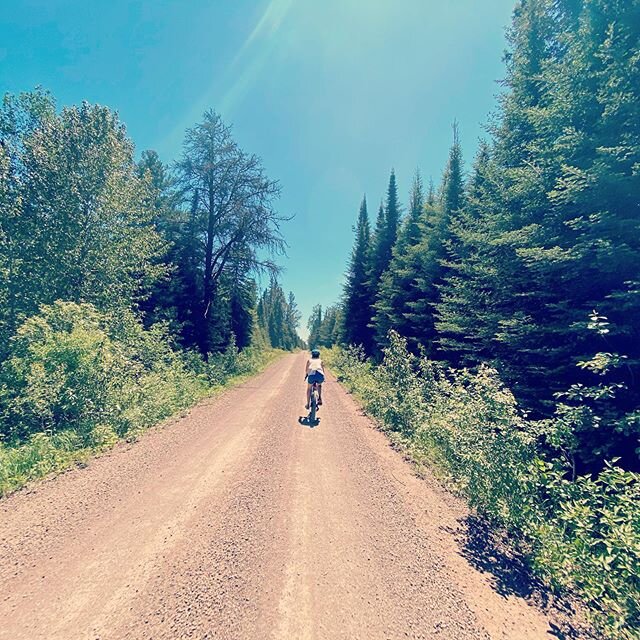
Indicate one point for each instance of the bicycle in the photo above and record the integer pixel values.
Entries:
(313, 402)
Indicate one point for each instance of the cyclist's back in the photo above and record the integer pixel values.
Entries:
(314, 365)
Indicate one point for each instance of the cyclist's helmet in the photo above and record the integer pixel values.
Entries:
(315, 353)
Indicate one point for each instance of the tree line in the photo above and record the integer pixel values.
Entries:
(529, 261)
(181, 245)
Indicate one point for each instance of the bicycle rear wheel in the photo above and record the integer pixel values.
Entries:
(314, 404)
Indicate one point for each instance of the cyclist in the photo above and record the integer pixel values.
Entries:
(314, 372)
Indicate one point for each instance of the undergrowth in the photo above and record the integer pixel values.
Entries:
(580, 534)
(77, 381)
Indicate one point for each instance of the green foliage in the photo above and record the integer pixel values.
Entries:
(230, 232)
(398, 288)
(581, 535)
(386, 233)
(78, 223)
(503, 268)
(324, 328)
(43, 454)
(357, 298)
(77, 380)
(587, 539)
(278, 318)
(72, 367)
(551, 228)
(106, 266)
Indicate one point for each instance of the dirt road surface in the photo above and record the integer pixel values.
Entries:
(238, 522)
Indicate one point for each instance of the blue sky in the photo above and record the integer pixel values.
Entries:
(330, 93)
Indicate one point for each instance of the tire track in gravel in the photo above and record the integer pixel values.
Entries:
(238, 522)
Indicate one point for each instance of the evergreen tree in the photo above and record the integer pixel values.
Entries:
(429, 268)
(232, 210)
(278, 318)
(357, 293)
(551, 229)
(466, 321)
(328, 332)
(386, 233)
(292, 320)
(313, 325)
(396, 291)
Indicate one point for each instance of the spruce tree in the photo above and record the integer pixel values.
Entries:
(395, 291)
(386, 233)
(466, 322)
(356, 297)
(431, 268)
(313, 325)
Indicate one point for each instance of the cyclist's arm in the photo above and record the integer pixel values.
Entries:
(306, 369)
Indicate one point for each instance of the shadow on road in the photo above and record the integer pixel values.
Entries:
(487, 550)
(306, 421)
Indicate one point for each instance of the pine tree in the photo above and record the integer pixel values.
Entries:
(292, 320)
(466, 321)
(429, 267)
(278, 318)
(313, 325)
(386, 233)
(395, 291)
(233, 209)
(328, 328)
(356, 297)
(551, 232)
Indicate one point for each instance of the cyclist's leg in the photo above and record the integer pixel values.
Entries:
(319, 392)
(308, 395)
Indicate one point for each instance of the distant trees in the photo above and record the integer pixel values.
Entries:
(278, 318)
(324, 328)
(313, 325)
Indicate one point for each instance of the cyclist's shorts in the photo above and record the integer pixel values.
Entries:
(316, 376)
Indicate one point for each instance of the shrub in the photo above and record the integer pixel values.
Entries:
(77, 379)
(587, 539)
(71, 367)
(63, 371)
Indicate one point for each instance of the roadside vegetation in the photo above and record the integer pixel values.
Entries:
(494, 323)
(580, 534)
(78, 381)
(128, 289)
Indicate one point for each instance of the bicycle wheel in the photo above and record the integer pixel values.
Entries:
(314, 404)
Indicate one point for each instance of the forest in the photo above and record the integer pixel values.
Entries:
(490, 324)
(128, 289)
(494, 321)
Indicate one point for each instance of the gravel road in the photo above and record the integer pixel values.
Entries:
(237, 521)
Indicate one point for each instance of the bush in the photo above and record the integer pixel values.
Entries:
(580, 534)
(72, 367)
(76, 380)
(63, 371)
(587, 539)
